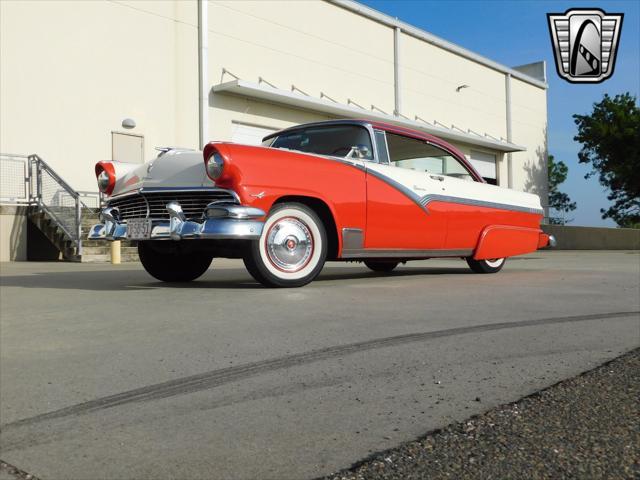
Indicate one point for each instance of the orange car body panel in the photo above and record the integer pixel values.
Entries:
(388, 218)
(497, 241)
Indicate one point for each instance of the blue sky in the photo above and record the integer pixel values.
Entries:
(515, 33)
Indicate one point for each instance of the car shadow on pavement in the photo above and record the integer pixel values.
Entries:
(231, 279)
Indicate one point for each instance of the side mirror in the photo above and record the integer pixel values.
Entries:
(359, 151)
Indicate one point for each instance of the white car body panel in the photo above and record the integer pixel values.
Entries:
(176, 168)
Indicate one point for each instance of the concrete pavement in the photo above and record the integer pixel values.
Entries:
(106, 373)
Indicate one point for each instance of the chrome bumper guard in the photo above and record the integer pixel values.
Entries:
(220, 221)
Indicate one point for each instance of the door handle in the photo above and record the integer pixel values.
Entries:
(437, 177)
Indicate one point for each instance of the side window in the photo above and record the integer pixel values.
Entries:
(381, 146)
(409, 153)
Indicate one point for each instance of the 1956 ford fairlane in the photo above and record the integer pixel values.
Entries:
(337, 190)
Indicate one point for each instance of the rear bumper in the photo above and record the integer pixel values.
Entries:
(228, 221)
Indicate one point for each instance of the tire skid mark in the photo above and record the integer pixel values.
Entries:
(215, 378)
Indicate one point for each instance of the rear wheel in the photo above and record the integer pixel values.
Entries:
(292, 248)
(172, 264)
(380, 266)
(492, 265)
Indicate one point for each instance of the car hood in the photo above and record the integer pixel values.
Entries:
(174, 168)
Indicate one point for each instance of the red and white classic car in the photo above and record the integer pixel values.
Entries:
(337, 190)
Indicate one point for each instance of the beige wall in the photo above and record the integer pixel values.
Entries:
(529, 128)
(311, 44)
(13, 233)
(73, 70)
(429, 79)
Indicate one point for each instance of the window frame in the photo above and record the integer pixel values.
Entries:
(369, 129)
(472, 173)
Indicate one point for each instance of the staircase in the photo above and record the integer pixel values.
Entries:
(92, 251)
(61, 213)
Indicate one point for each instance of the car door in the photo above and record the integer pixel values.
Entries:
(468, 205)
(397, 186)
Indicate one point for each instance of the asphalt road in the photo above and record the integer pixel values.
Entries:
(105, 373)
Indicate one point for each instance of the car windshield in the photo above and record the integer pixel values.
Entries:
(334, 140)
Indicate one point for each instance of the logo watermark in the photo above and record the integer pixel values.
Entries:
(585, 42)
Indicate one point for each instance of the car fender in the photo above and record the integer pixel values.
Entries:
(498, 241)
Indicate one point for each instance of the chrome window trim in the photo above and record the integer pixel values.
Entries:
(386, 145)
(439, 147)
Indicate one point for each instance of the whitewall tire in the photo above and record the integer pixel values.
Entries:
(492, 265)
(292, 248)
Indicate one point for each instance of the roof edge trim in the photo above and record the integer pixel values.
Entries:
(274, 95)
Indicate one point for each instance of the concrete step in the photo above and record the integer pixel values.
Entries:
(105, 243)
(106, 258)
(102, 250)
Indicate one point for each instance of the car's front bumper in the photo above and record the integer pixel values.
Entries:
(220, 221)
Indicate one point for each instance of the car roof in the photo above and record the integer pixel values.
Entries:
(387, 127)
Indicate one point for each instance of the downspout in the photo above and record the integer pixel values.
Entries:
(396, 69)
(507, 87)
(203, 78)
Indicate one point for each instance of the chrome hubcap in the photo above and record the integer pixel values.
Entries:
(289, 244)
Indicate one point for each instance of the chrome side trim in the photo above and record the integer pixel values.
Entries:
(401, 188)
(431, 197)
(352, 239)
(391, 253)
(423, 201)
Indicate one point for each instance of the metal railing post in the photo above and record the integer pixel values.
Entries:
(79, 225)
(38, 182)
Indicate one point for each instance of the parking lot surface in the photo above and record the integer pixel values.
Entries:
(107, 373)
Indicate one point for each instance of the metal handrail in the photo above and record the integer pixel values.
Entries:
(40, 167)
(35, 167)
(52, 172)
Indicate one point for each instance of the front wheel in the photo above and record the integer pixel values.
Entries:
(291, 250)
(172, 264)
(486, 266)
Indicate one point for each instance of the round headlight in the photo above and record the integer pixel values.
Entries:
(103, 181)
(215, 166)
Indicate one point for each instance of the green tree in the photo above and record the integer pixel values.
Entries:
(610, 138)
(558, 201)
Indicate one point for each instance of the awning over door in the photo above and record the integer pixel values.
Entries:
(298, 100)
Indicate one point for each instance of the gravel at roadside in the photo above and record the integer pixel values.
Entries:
(584, 427)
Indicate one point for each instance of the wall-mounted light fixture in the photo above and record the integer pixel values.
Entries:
(128, 123)
(461, 87)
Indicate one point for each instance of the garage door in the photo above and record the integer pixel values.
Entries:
(485, 164)
(249, 134)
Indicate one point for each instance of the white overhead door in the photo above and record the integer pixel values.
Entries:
(484, 163)
(249, 134)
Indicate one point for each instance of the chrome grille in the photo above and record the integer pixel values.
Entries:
(153, 204)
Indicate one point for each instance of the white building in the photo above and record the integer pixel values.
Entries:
(194, 71)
